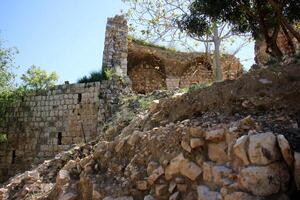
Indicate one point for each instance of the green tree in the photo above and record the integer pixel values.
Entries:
(38, 79)
(262, 18)
(158, 21)
(7, 66)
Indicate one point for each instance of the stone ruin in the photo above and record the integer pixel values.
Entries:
(40, 126)
(116, 44)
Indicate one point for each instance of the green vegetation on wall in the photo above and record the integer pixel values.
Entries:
(95, 76)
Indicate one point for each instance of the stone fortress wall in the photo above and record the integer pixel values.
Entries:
(41, 126)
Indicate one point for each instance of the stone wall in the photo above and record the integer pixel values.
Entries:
(115, 46)
(41, 126)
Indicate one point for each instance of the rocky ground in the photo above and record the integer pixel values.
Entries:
(233, 140)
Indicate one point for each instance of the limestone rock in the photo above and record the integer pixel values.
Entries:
(151, 167)
(215, 135)
(207, 171)
(218, 152)
(240, 196)
(133, 139)
(142, 185)
(181, 165)
(174, 196)
(205, 194)
(174, 166)
(155, 175)
(263, 149)
(186, 146)
(297, 169)
(196, 142)
(190, 170)
(197, 132)
(120, 145)
(149, 197)
(221, 175)
(264, 180)
(239, 149)
(62, 178)
(285, 150)
(161, 190)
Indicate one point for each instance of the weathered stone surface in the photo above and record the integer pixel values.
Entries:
(149, 197)
(174, 196)
(240, 196)
(133, 139)
(215, 135)
(181, 165)
(285, 150)
(196, 142)
(190, 170)
(142, 185)
(218, 152)
(263, 148)
(197, 132)
(186, 146)
(207, 171)
(297, 169)
(240, 149)
(264, 180)
(161, 190)
(221, 175)
(155, 175)
(205, 194)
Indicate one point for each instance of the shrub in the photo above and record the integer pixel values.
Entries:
(95, 76)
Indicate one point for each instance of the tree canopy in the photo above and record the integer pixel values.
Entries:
(6, 67)
(261, 18)
(37, 79)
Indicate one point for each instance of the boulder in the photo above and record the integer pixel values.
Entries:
(190, 170)
(207, 171)
(215, 135)
(221, 175)
(204, 193)
(155, 175)
(196, 142)
(161, 190)
(285, 150)
(181, 165)
(240, 150)
(197, 132)
(217, 152)
(240, 196)
(174, 196)
(263, 149)
(142, 185)
(297, 169)
(264, 180)
(186, 146)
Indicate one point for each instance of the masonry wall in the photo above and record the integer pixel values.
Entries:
(41, 126)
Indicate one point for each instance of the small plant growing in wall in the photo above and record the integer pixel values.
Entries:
(3, 137)
(95, 76)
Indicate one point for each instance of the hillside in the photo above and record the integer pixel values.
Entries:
(235, 140)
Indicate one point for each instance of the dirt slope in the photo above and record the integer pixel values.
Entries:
(199, 145)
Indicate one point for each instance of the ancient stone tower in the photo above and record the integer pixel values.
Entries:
(116, 45)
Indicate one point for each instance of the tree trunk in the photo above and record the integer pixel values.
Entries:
(283, 19)
(217, 62)
(289, 40)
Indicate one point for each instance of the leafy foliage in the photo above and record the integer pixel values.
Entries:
(37, 79)
(3, 137)
(6, 68)
(95, 76)
(261, 18)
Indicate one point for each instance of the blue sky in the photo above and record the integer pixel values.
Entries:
(65, 36)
